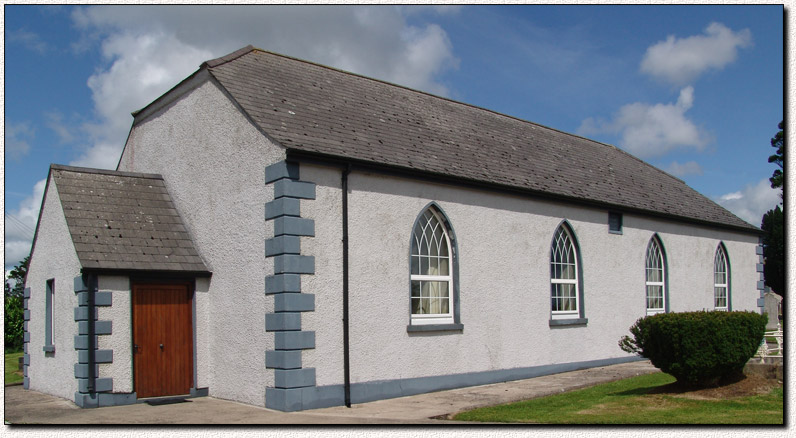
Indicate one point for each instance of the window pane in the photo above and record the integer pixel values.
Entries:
(443, 266)
(416, 288)
(415, 265)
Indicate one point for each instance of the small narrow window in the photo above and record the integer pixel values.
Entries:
(49, 316)
(721, 275)
(614, 222)
(564, 281)
(655, 278)
(431, 276)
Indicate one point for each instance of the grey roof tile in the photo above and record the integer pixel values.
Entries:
(116, 219)
(310, 108)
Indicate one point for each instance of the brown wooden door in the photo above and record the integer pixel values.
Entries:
(162, 340)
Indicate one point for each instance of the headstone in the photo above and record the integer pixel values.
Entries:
(771, 305)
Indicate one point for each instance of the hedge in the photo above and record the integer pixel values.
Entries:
(697, 348)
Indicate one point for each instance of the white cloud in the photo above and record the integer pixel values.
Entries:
(684, 169)
(681, 60)
(18, 235)
(148, 50)
(55, 121)
(17, 136)
(652, 130)
(752, 201)
(29, 40)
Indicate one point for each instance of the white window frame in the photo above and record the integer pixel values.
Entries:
(572, 313)
(655, 246)
(721, 256)
(432, 318)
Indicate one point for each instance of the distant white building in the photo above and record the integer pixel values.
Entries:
(289, 235)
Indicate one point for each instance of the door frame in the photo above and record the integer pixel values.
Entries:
(155, 279)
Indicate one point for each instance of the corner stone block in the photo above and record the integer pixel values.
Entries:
(81, 370)
(81, 342)
(297, 378)
(283, 359)
(100, 356)
(761, 302)
(26, 337)
(759, 250)
(86, 400)
(294, 189)
(100, 327)
(761, 285)
(101, 385)
(79, 286)
(26, 382)
(294, 302)
(282, 322)
(100, 299)
(282, 169)
(81, 313)
(26, 293)
(281, 399)
(282, 207)
(282, 245)
(26, 315)
(276, 284)
(294, 340)
(294, 226)
(294, 264)
(759, 267)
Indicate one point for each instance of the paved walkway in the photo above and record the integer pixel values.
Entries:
(30, 407)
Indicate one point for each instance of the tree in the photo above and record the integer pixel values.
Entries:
(774, 250)
(778, 142)
(14, 306)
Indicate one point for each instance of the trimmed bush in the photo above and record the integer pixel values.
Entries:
(697, 348)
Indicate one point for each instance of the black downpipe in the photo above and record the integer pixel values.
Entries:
(92, 289)
(346, 360)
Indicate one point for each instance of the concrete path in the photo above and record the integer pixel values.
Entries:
(30, 407)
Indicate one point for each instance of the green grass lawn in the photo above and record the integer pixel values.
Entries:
(13, 373)
(634, 401)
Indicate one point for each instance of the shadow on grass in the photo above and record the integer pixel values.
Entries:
(683, 387)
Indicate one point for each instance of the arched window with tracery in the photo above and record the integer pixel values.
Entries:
(655, 277)
(432, 269)
(565, 284)
(721, 279)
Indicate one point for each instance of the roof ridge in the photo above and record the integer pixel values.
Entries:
(228, 57)
(104, 171)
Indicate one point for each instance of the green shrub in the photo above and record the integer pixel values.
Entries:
(697, 348)
(13, 323)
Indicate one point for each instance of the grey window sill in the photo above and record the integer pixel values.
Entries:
(568, 322)
(434, 328)
(48, 348)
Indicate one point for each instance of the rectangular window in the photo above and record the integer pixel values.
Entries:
(49, 316)
(614, 222)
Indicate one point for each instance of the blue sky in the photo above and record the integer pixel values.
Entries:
(694, 90)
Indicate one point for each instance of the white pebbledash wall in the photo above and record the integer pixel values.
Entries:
(213, 161)
(54, 257)
(504, 255)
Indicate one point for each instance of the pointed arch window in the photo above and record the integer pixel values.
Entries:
(433, 258)
(721, 279)
(565, 282)
(655, 277)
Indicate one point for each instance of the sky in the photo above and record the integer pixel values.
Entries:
(694, 90)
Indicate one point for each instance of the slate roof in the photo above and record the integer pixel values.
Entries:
(313, 109)
(124, 221)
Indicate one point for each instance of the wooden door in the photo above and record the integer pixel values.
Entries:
(162, 340)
